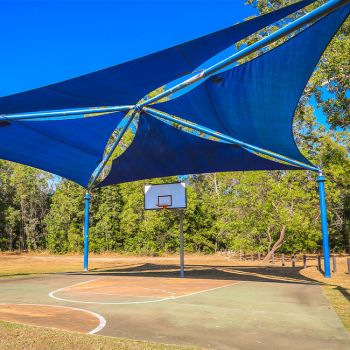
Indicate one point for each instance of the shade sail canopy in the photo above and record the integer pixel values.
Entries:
(71, 148)
(128, 82)
(255, 102)
(161, 150)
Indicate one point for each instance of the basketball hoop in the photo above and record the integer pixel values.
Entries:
(165, 196)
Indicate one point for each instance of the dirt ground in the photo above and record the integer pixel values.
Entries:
(223, 303)
(49, 316)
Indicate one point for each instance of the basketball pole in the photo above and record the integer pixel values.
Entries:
(182, 254)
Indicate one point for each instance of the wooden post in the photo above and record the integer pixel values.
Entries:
(273, 258)
(293, 260)
(319, 263)
(304, 261)
(252, 256)
(334, 259)
(259, 256)
(348, 260)
(240, 255)
(283, 264)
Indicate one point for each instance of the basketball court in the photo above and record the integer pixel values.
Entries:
(218, 307)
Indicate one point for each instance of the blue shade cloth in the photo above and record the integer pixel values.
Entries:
(127, 83)
(70, 148)
(255, 102)
(161, 150)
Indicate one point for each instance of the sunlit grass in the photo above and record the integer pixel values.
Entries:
(18, 337)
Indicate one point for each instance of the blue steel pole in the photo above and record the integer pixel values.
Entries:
(197, 127)
(64, 113)
(323, 210)
(86, 231)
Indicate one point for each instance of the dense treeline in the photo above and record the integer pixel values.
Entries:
(246, 211)
(237, 211)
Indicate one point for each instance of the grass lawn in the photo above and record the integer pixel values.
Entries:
(18, 337)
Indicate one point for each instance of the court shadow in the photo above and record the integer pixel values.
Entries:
(345, 292)
(231, 273)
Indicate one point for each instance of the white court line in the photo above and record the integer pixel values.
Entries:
(124, 295)
(52, 295)
(101, 319)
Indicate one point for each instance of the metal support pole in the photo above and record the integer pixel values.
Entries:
(323, 210)
(64, 113)
(86, 231)
(182, 254)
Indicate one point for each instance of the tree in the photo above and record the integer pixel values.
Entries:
(65, 219)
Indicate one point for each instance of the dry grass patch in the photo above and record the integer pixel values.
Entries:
(18, 337)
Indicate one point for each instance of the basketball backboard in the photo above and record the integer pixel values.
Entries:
(169, 196)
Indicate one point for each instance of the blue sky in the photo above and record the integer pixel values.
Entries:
(48, 41)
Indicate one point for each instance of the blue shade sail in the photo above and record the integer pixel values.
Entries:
(255, 102)
(128, 82)
(161, 150)
(70, 148)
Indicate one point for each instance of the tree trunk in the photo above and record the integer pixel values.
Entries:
(10, 240)
(270, 240)
(277, 244)
(216, 186)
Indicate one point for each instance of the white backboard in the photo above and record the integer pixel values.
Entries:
(171, 195)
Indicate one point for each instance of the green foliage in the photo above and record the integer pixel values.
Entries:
(64, 221)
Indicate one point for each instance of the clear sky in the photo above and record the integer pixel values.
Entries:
(46, 41)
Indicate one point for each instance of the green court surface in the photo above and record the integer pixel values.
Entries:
(218, 309)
